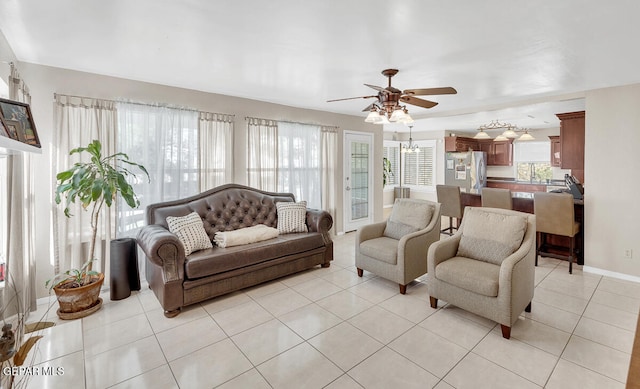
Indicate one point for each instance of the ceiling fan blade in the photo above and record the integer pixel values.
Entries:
(352, 98)
(378, 88)
(419, 102)
(431, 91)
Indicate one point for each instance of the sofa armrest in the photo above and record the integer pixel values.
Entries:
(164, 249)
(319, 221)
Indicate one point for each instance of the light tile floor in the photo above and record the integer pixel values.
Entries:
(330, 328)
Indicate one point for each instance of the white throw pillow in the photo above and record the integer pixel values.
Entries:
(190, 230)
(292, 217)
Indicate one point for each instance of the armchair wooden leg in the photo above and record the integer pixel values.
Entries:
(360, 271)
(528, 308)
(506, 331)
(325, 265)
(403, 289)
(434, 302)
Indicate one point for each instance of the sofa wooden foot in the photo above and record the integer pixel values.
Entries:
(506, 331)
(360, 272)
(174, 313)
(325, 264)
(528, 308)
(403, 289)
(434, 302)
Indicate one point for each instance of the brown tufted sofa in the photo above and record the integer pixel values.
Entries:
(179, 281)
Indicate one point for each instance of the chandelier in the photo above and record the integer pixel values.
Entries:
(510, 131)
(409, 147)
(389, 114)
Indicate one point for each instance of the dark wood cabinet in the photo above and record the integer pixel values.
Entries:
(459, 144)
(499, 153)
(572, 142)
(556, 151)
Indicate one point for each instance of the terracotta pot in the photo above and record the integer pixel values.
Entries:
(81, 298)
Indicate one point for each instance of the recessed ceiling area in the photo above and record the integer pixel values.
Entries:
(508, 60)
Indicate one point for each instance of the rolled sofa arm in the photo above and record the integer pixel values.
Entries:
(163, 248)
(319, 221)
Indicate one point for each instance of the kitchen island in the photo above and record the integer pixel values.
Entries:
(523, 202)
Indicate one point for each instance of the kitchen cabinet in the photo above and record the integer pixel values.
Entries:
(499, 153)
(459, 144)
(572, 142)
(556, 152)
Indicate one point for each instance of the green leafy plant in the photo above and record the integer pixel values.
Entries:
(386, 171)
(96, 183)
(73, 278)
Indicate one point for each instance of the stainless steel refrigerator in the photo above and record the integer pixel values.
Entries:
(468, 170)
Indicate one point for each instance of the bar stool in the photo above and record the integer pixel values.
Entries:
(555, 215)
(497, 198)
(451, 205)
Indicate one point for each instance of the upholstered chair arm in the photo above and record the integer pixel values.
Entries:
(163, 249)
(442, 250)
(370, 231)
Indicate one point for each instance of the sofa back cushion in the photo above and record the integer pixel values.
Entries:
(490, 236)
(224, 208)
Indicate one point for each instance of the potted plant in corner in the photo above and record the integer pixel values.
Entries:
(94, 184)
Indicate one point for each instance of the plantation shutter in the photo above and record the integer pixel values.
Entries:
(392, 153)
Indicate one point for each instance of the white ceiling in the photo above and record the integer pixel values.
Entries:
(514, 61)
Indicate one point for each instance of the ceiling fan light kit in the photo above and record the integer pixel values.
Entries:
(388, 108)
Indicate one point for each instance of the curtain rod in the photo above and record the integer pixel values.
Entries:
(292, 122)
(162, 105)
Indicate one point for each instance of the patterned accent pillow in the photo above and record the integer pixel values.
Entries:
(489, 236)
(292, 217)
(397, 230)
(190, 230)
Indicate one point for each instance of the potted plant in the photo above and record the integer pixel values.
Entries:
(94, 184)
(386, 170)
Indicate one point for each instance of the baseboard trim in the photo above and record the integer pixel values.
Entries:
(609, 273)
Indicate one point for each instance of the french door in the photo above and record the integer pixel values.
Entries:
(358, 180)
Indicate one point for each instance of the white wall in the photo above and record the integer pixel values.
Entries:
(612, 168)
(45, 81)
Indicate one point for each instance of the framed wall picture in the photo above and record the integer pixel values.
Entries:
(3, 130)
(18, 122)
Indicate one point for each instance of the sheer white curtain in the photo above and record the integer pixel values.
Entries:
(329, 156)
(262, 155)
(165, 141)
(78, 121)
(19, 294)
(215, 138)
(299, 162)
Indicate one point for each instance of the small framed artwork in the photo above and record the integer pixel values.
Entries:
(18, 122)
(3, 130)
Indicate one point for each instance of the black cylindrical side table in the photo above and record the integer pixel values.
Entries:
(124, 268)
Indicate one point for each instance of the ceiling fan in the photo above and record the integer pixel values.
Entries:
(389, 98)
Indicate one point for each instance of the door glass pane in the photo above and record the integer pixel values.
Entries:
(360, 180)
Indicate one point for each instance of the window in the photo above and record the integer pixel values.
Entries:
(165, 141)
(532, 161)
(418, 169)
(299, 164)
(391, 151)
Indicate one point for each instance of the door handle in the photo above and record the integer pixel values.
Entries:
(348, 188)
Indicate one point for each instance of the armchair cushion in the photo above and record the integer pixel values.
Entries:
(415, 213)
(384, 249)
(475, 276)
(493, 244)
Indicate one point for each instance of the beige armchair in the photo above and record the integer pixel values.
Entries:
(397, 248)
(487, 267)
